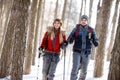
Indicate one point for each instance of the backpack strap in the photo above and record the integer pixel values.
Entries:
(90, 29)
(77, 30)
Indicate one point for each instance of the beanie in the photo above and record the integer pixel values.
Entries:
(84, 17)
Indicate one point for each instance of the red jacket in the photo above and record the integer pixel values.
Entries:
(47, 42)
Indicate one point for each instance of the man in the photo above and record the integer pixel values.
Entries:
(83, 36)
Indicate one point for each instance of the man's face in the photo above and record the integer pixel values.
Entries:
(83, 22)
(57, 25)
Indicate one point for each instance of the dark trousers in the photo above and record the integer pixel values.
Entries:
(76, 63)
(50, 62)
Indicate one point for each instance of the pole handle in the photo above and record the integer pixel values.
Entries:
(39, 55)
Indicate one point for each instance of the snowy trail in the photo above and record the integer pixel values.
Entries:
(59, 70)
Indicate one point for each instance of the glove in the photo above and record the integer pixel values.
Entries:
(95, 42)
(40, 48)
(64, 44)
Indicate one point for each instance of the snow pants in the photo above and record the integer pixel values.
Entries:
(77, 57)
(49, 66)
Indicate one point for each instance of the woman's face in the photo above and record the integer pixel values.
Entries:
(57, 25)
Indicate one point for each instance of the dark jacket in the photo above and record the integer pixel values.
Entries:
(83, 37)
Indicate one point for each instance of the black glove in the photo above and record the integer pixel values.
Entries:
(95, 42)
(64, 44)
(40, 48)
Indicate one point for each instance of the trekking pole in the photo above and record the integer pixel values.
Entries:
(64, 63)
(38, 64)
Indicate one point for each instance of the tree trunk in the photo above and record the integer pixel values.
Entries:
(1, 10)
(49, 14)
(99, 18)
(85, 6)
(90, 16)
(56, 10)
(64, 11)
(42, 14)
(6, 50)
(4, 20)
(112, 39)
(97, 28)
(99, 61)
(69, 13)
(114, 70)
(30, 37)
(20, 15)
(90, 10)
(36, 31)
(1, 7)
(42, 19)
(80, 14)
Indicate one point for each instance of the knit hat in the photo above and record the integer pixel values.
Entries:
(84, 17)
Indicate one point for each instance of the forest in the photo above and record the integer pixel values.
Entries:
(24, 22)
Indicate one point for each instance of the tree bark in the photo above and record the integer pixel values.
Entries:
(80, 14)
(99, 18)
(64, 11)
(56, 10)
(1, 5)
(99, 61)
(1, 10)
(90, 16)
(19, 17)
(90, 10)
(6, 50)
(114, 69)
(36, 31)
(85, 6)
(42, 14)
(97, 28)
(112, 38)
(42, 19)
(69, 13)
(30, 37)
(4, 21)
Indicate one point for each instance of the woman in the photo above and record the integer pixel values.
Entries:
(53, 39)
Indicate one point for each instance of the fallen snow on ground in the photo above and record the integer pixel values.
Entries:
(59, 71)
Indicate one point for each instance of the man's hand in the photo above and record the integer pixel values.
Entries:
(64, 45)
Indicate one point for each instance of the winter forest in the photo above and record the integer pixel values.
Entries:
(24, 22)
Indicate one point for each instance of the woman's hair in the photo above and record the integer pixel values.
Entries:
(58, 21)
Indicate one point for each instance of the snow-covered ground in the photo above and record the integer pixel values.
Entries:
(59, 71)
